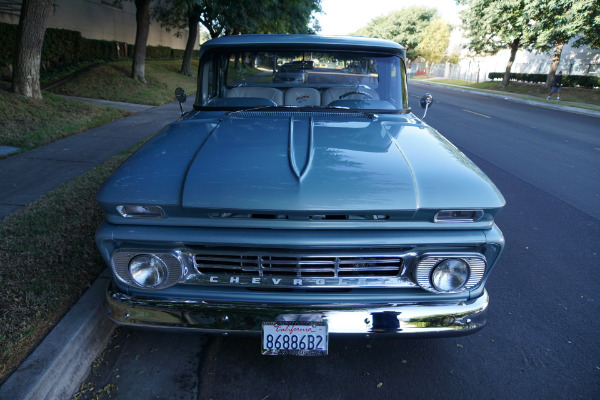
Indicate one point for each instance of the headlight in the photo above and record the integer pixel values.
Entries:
(148, 271)
(450, 272)
(450, 275)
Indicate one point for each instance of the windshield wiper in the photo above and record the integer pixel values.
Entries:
(312, 108)
(259, 108)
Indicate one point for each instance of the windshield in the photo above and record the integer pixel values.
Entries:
(247, 79)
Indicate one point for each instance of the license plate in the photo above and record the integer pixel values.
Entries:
(295, 339)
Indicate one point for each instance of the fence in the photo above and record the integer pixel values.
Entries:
(468, 71)
(475, 71)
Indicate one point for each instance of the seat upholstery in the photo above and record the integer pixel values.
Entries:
(334, 93)
(302, 96)
(261, 92)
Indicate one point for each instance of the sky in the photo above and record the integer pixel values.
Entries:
(341, 17)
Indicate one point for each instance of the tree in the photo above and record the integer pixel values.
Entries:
(28, 49)
(434, 41)
(179, 14)
(287, 16)
(559, 21)
(142, 18)
(404, 26)
(493, 25)
(233, 17)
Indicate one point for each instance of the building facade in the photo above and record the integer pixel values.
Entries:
(98, 19)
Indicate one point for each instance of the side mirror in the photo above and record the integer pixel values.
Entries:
(181, 98)
(426, 102)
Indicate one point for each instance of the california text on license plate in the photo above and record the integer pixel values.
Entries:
(295, 339)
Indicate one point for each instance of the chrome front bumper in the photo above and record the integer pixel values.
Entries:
(414, 319)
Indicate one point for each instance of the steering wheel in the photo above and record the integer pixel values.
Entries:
(367, 95)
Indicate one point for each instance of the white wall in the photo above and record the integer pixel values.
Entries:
(100, 19)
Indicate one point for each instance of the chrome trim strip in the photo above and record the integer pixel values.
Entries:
(300, 174)
(291, 152)
(410, 319)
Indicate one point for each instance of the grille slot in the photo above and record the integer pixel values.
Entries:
(298, 265)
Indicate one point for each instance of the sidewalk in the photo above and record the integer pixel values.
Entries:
(27, 176)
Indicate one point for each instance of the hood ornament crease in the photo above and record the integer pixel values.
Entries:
(300, 174)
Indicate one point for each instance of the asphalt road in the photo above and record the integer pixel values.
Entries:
(542, 340)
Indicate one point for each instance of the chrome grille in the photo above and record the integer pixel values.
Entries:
(298, 265)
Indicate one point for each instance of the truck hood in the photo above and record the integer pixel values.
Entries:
(302, 162)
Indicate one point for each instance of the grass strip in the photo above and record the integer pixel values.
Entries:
(28, 123)
(112, 81)
(48, 258)
(574, 97)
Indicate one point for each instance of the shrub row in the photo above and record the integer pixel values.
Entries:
(62, 47)
(584, 81)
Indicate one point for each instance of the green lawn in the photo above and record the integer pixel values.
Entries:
(48, 258)
(112, 81)
(587, 98)
(28, 123)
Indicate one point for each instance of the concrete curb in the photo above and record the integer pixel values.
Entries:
(58, 365)
(541, 103)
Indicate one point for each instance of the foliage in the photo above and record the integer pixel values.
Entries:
(454, 58)
(492, 25)
(434, 41)
(559, 21)
(404, 26)
(8, 33)
(556, 22)
(232, 17)
(584, 81)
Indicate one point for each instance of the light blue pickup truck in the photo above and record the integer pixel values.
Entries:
(303, 208)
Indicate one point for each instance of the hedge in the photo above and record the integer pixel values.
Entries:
(585, 81)
(62, 47)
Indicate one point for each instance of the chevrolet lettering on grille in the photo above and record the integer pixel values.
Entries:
(305, 282)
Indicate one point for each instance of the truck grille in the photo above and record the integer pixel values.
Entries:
(298, 265)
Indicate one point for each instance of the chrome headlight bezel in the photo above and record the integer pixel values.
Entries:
(429, 262)
(173, 262)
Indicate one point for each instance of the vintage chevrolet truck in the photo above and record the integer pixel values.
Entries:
(299, 208)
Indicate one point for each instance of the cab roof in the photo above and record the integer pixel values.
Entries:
(304, 42)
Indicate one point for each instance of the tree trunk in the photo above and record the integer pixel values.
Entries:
(554, 65)
(186, 65)
(514, 46)
(28, 49)
(142, 17)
